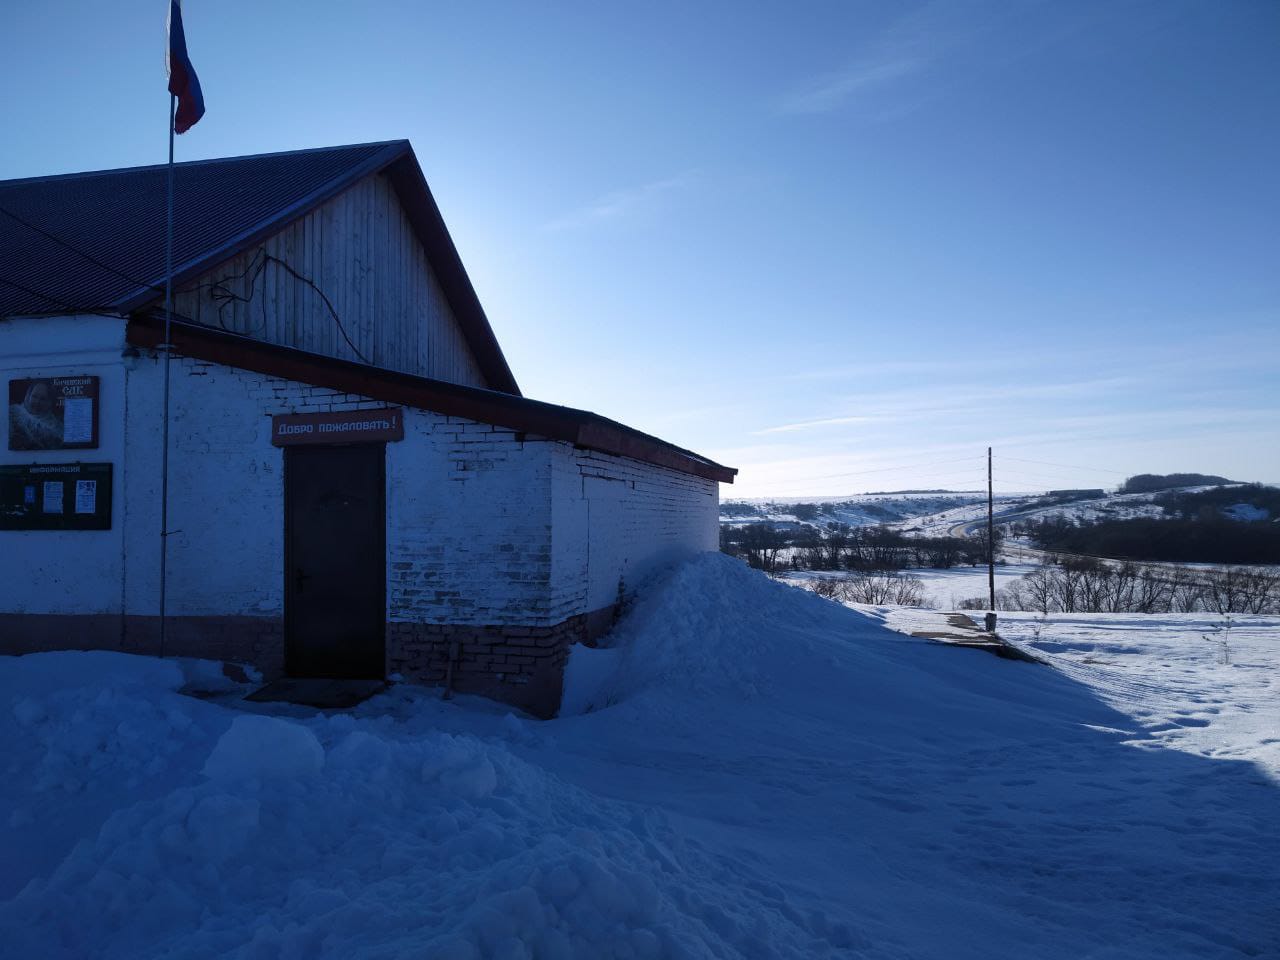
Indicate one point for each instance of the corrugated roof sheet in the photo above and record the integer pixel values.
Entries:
(112, 223)
(96, 241)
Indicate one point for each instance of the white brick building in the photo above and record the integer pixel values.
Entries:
(453, 526)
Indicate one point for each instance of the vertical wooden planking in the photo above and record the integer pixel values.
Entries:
(357, 323)
(382, 295)
(368, 258)
(362, 251)
(330, 342)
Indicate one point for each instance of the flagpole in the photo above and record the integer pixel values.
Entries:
(167, 347)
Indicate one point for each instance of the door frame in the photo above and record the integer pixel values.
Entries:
(290, 601)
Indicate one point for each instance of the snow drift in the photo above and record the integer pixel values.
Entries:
(746, 771)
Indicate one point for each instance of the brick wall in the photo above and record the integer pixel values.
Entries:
(226, 487)
(468, 530)
(510, 546)
(618, 520)
(468, 524)
(523, 666)
(66, 571)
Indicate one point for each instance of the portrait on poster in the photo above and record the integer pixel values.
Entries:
(53, 413)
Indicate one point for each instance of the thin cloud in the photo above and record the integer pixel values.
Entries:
(621, 203)
(910, 46)
(810, 424)
(825, 94)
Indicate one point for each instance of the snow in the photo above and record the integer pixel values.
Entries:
(256, 746)
(1199, 682)
(1246, 513)
(1115, 506)
(743, 770)
(861, 510)
(944, 589)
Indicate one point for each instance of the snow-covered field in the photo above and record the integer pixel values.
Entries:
(944, 589)
(748, 771)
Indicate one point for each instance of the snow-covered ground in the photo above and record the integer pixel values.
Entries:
(1197, 682)
(748, 771)
(944, 589)
(867, 509)
(1128, 506)
(1202, 683)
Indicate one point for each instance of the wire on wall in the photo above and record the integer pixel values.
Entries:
(223, 294)
(218, 289)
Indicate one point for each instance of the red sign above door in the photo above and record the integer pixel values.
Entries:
(351, 426)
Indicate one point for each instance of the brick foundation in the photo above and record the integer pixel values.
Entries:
(254, 640)
(522, 666)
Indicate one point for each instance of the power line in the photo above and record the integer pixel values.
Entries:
(76, 250)
(910, 466)
(216, 285)
(78, 308)
(37, 293)
(1049, 463)
(1028, 473)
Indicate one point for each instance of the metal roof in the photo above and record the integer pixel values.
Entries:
(95, 242)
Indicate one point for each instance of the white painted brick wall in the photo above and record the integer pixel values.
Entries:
(630, 519)
(468, 524)
(484, 526)
(468, 504)
(66, 571)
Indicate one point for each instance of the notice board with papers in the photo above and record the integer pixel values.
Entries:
(55, 496)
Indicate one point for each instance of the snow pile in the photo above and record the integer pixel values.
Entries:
(83, 734)
(264, 747)
(336, 837)
(695, 631)
(752, 772)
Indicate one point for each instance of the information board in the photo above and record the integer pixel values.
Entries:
(53, 413)
(55, 496)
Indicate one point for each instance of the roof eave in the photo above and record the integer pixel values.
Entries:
(579, 427)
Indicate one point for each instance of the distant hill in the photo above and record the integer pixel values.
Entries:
(863, 510)
(1151, 482)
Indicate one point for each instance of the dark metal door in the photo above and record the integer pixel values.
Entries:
(335, 561)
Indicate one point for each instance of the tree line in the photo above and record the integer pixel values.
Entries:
(1151, 482)
(1205, 538)
(1082, 585)
(839, 546)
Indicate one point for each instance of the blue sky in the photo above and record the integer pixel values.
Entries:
(841, 246)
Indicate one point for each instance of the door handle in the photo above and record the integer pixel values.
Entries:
(299, 578)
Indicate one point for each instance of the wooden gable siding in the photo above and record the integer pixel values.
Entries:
(361, 251)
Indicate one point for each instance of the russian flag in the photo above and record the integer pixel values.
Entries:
(183, 82)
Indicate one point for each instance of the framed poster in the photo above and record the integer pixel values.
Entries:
(53, 413)
(55, 496)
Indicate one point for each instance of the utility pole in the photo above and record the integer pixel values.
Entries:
(991, 539)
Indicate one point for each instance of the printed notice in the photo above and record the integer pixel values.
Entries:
(77, 420)
(86, 496)
(53, 496)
